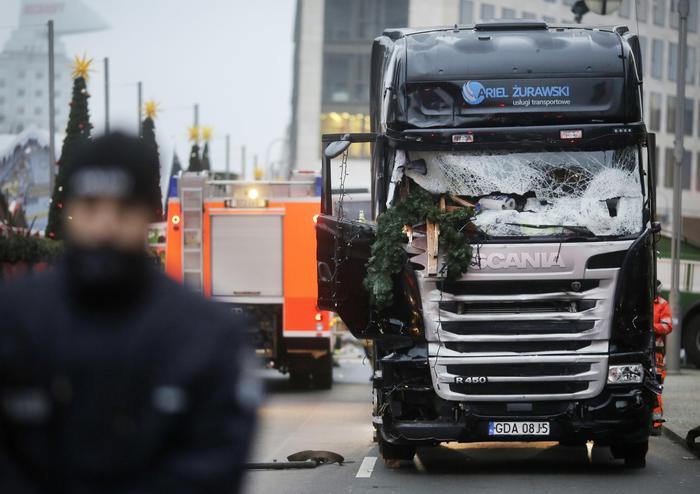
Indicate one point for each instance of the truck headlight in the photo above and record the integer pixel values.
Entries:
(625, 374)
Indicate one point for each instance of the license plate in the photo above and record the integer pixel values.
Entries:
(518, 428)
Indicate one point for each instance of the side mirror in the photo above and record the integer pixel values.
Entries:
(336, 148)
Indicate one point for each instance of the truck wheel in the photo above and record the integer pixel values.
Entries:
(391, 451)
(298, 379)
(323, 372)
(691, 339)
(634, 454)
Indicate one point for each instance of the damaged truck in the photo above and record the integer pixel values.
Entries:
(506, 274)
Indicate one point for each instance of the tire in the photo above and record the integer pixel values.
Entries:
(323, 372)
(299, 380)
(691, 339)
(391, 451)
(634, 454)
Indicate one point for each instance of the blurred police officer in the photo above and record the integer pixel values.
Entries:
(114, 379)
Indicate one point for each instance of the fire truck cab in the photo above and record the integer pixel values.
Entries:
(250, 245)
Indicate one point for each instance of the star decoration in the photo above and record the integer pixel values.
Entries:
(194, 134)
(206, 133)
(151, 109)
(81, 67)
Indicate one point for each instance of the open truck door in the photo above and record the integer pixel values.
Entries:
(343, 244)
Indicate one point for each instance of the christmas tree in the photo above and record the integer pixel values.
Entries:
(148, 134)
(206, 135)
(175, 170)
(77, 132)
(195, 159)
(176, 167)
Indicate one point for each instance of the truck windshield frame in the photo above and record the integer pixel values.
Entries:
(564, 193)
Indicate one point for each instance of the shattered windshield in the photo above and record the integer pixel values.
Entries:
(564, 192)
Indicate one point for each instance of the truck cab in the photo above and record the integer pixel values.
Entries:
(548, 334)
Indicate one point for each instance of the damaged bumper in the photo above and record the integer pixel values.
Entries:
(614, 416)
(410, 412)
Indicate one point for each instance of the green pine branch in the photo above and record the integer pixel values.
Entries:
(30, 249)
(388, 254)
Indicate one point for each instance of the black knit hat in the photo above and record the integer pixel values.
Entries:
(114, 165)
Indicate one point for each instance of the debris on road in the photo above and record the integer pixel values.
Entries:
(302, 459)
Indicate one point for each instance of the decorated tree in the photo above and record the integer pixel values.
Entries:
(77, 132)
(195, 158)
(175, 169)
(148, 134)
(206, 136)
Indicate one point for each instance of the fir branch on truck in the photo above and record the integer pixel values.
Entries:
(388, 252)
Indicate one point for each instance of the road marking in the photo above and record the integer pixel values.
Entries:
(366, 468)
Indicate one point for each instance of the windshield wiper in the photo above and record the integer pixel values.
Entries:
(578, 229)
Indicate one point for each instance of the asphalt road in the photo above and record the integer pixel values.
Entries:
(339, 421)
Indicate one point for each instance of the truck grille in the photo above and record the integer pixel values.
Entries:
(507, 307)
(520, 370)
(521, 327)
(536, 336)
(514, 287)
(517, 346)
(524, 388)
(519, 377)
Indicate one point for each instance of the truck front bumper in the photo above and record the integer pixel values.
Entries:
(616, 415)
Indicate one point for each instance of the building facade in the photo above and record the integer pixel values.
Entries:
(24, 98)
(331, 83)
(24, 83)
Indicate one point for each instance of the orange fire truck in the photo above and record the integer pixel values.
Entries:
(251, 245)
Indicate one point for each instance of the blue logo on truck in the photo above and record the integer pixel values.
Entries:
(473, 92)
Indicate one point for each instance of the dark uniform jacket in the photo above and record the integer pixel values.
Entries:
(144, 393)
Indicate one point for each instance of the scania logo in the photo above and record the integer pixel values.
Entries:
(473, 92)
(519, 260)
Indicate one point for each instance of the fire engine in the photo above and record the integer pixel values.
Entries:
(250, 245)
